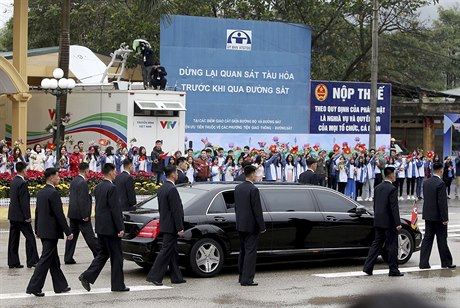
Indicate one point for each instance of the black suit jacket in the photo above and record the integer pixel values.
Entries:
(125, 190)
(171, 209)
(248, 209)
(50, 222)
(181, 178)
(386, 209)
(109, 217)
(19, 209)
(435, 200)
(80, 201)
(308, 177)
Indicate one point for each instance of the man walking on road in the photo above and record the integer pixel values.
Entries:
(436, 216)
(387, 223)
(50, 223)
(172, 227)
(110, 230)
(80, 207)
(125, 187)
(249, 224)
(20, 220)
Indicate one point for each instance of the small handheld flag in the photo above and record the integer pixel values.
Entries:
(414, 218)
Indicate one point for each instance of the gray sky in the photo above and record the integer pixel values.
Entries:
(428, 13)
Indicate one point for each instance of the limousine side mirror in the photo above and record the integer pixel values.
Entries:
(361, 210)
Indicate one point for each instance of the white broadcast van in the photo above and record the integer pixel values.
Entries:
(119, 112)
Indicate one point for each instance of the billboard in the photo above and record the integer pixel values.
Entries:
(246, 81)
(451, 144)
(340, 112)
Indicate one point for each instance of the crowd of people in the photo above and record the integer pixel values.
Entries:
(354, 173)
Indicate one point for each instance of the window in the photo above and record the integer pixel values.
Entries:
(288, 200)
(154, 113)
(217, 206)
(186, 195)
(223, 203)
(333, 202)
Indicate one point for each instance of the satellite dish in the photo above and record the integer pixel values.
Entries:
(86, 66)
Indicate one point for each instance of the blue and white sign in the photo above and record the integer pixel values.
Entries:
(239, 40)
(246, 81)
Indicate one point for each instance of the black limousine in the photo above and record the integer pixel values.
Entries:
(303, 223)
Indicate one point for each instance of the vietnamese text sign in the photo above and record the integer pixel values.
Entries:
(241, 77)
(344, 108)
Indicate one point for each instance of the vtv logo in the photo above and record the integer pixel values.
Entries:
(168, 124)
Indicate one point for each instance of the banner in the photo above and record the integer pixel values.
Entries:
(244, 79)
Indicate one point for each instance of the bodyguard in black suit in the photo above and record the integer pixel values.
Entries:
(110, 230)
(387, 223)
(125, 187)
(80, 207)
(309, 176)
(171, 227)
(249, 224)
(20, 220)
(181, 170)
(436, 216)
(50, 224)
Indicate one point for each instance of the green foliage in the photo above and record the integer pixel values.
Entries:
(341, 40)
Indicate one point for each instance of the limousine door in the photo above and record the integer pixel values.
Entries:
(221, 213)
(342, 227)
(295, 219)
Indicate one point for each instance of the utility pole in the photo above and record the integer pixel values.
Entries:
(374, 73)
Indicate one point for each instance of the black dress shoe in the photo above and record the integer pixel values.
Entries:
(157, 283)
(16, 266)
(70, 262)
(368, 273)
(38, 294)
(33, 265)
(450, 266)
(121, 290)
(179, 282)
(395, 274)
(424, 267)
(63, 291)
(84, 283)
(251, 284)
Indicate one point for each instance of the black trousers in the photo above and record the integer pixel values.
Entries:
(359, 189)
(86, 229)
(16, 228)
(49, 260)
(158, 83)
(109, 248)
(332, 182)
(168, 256)
(410, 186)
(389, 237)
(378, 179)
(248, 257)
(433, 228)
(322, 180)
(342, 186)
(400, 184)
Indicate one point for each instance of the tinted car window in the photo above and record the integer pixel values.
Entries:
(288, 200)
(218, 205)
(223, 203)
(186, 195)
(332, 202)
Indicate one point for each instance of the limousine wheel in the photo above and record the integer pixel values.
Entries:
(405, 247)
(206, 258)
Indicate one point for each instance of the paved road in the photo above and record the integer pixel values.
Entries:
(321, 284)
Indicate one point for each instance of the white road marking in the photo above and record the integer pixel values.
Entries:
(376, 272)
(82, 292)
